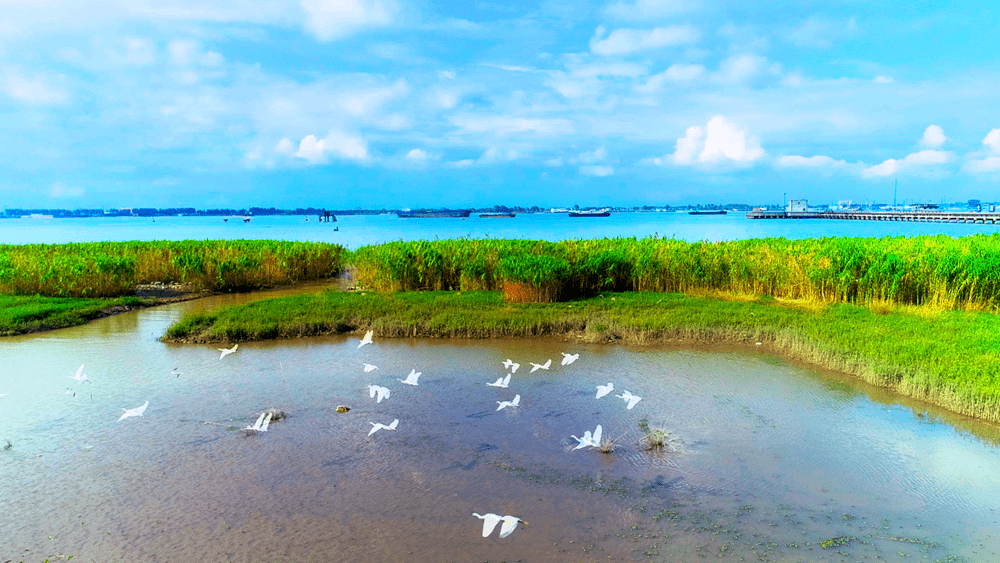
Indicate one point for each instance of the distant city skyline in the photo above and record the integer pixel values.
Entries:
(402, 103)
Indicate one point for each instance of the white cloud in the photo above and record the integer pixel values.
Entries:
(821, 32)
(914, 160)
(336, 143)
(625, 41)
(364, 103)
(992, 140)
(725, 141)
(677, 74)
(31, 89)
(139, 51)
(285, 147)
(818, 161)
(507, 125)
(991, 163)
(687, 147)
(494, 155)
(881, 79)
(336, 19)
(464, 163)
(738, 69)
(933, 137)
(598, 155)
(988, 164)
(416, 155)
(598, 170)
(649, 9)
(59, 190)
(719, 142)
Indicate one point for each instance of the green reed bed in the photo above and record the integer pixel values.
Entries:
(949, 358)
(21, 314)
(113, 269)
(941, 271)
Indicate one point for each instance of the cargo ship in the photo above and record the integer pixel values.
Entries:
(422, 214)
(496, 215)
(708, 212)
(589, 214)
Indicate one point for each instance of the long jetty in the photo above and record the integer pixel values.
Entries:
(922, 216)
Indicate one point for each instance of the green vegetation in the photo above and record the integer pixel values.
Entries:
(44, 287)
(113, 269)
(937, 271)
(945, 357)
(24, 314)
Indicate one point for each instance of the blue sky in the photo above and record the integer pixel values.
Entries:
(397, 103)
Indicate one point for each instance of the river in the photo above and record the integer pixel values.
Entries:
(775, 460)
(359, 230)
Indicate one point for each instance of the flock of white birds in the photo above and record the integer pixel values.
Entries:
(490, 520)
(380, 393)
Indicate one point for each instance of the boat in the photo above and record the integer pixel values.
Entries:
(495, 215)
(708, 212)
(589, 214)
(406, 214)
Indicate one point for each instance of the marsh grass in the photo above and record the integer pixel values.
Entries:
(935, 271)
(949, 358)
(114, 269)
(25, 314)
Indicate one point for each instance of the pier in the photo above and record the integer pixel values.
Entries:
(920, 216)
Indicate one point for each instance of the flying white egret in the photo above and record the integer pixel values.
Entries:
(412, 378)
(227, 351)
(588, 439)
(569, 358)
(370, 367)
(176, 373)
(501, 382)
(511, 365)
(535, 367)
(603, 390)
(262, 422)
(80, 377)
(367, 339)
(379, 391)
(491, 520)
(137, 411)
(630, 399)
(376, 426)
(70, 392)
(505, 404)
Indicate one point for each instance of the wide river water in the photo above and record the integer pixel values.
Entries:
(776, 462)
(358, 230)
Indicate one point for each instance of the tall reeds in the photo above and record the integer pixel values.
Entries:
(111, 269)
(945, 272)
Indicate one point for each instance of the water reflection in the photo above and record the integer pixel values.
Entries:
(776, 459)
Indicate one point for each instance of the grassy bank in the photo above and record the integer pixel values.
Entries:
(24, 314)
(114, 269)
(937, 271)
(945, 357)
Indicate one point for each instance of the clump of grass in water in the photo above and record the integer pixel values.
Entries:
(608, 445)
(658, 438)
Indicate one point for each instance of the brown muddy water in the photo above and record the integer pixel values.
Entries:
(777, 462)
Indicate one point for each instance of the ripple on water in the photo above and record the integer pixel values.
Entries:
(764, 446)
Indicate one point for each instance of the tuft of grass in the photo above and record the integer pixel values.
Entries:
(659, 438)
(26, 314)
(608, 445)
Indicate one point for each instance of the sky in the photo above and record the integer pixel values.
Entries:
(406, 103)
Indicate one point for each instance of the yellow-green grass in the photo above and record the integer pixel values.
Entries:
(24, 314)
(945, 357)
(113, 269)
(938, 271)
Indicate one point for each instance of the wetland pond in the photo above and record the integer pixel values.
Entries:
(777, 462)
